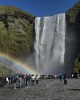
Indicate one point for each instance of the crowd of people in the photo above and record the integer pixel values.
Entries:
(29, 80)
(20, 80)
(65, 76)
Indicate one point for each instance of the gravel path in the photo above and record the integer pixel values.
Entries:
(45, 90)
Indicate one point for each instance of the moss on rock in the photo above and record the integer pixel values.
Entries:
(73, 12)
(4, 71)
(16, 31)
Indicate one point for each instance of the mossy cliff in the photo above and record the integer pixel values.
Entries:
(16, 31)
(73, 16)
(73, 21)
(73, 34)
(4, 71)
(73, 13)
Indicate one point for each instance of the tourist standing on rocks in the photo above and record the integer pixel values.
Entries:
(26, 79)
(29, 80)
(15, 80)
(65, 78)
(7, 81)
(9, 78)
(33, 79)
(20, 82)
(37, 78)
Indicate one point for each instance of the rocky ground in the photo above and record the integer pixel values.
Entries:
(45, 90)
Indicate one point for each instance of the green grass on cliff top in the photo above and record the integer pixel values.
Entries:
(73, 12)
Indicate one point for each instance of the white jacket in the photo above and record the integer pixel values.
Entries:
(33, 77)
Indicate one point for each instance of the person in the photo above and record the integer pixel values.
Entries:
(9, 78)
(29, 80)
(72, 75)
(26, 79)
(33, 78)
(20, 81)
(37, 78)
(65, 78)
(15, 80)
(7, 81)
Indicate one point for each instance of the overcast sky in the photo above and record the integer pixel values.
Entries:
(41, 7)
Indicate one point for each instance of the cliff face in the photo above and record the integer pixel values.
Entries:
(72, 35)
(73, 22)
(73, 17)
(16, 31)
(73, 14)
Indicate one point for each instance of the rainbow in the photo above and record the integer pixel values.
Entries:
(21, 64)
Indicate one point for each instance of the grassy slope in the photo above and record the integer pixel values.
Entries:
(4, 71)
(73, 12)
(16, 31)
(73, 19)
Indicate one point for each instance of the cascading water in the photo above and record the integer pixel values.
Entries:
(50, 44)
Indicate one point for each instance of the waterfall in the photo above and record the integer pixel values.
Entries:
(50, 44)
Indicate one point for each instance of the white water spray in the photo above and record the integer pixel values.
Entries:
(50, 44)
